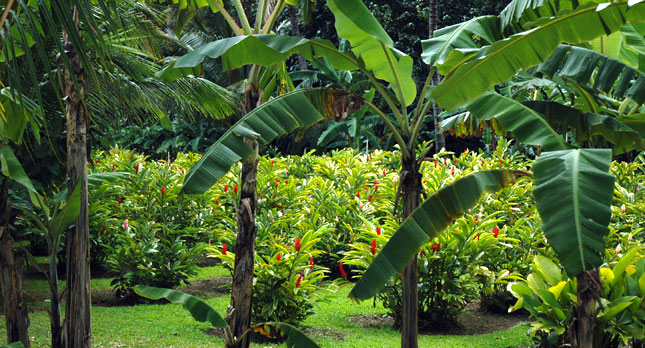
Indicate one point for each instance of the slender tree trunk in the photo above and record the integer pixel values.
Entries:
(295, 30)
(56, 329)
(439, 139)
(11, 268)
(410, 190)
(242, 292)
(584, 314)
(78, 316)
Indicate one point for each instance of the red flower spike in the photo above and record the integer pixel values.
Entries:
(455, 161)
(365, 188)
(274, 196)
(202, 153)
(223, 249)
(342, 271)
(435, 163)
(277, 181)
(439, 246)
(421, 254)
(367, 159)
(113, 167)
(225, 188)
(163, 190)
(234, 188)
(358, 194)
(299, 280)
(383, 171)
(278, 257)
(378, 230)
(445, 162)
(136, 171)
(495, 231)
(311, 263)
(369, 198)
(103, 230)
(271, 162)
(500, 161)
(373, 247)
(297, 244)
(96, 161)
(125, 224)
(217, 201)
(131, 155)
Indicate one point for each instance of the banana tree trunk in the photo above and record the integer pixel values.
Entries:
(56, 330)
(242, 291)
(433, 23)
(78, 316)
(410, 190)
(584, 314)
(11, 268)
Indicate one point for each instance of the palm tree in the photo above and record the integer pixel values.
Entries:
(122, 50)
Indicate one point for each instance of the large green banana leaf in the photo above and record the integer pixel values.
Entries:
(578, 65)
(355, 23)
(585, 125)
(277, 117)
(633, 48)
(425, 223)
(523, 50)
(527, 126)
(202, 312)
(199, 309)
(459, 36)
(258, 49)
(573, 192)
(519, 13)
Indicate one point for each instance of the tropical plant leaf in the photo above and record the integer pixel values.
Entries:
(257, 49)
(460, 36)
(524, 50)
(198, 309)
(14, 345)
(295, 337)
(282, 115)
(526, 125)
(573, 192)
(586, 125)
(577, 65)
(12, 169)
(355, 23)
(520, 12)
(463, 125)
(425, 223)
(67, 214)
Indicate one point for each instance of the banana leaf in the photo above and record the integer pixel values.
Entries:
(526, 49)
(280, 116)
(527, 126)
(425, 223)
(11, 168)
(573, 192)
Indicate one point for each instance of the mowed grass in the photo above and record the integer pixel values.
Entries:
(169, 325)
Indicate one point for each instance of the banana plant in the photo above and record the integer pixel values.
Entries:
(202, 312)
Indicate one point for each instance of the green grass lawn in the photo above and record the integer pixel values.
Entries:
(168, 325)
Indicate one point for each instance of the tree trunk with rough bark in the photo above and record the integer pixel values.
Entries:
(242, 291)
(584, 314)
(77, 326)
(410, 181)
(11, 268)
(439, 139)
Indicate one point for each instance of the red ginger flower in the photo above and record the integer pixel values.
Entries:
(436, 247)
(299, 280)
(225, 188)
(373, 247)
(125, 224)
(311, 263)
(378, 230)
(297, 244)
(278, 257)
(495, 231)
(163, 190)
(342, 271)
(234, 188)
(369, 198)
(358, 194)
(224, 249)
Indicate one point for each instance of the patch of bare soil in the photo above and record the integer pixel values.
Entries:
(472, 321)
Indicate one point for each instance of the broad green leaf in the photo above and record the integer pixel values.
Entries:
(547, 269)
(68, 212)
(463, 125)
(198, 309)
(373, 46)
(295, 337)
(524, 50)
(584, 125)
(277, 117)
(445, 40)
(615, 307)
(519, 12)
(16, 112)
(14, 345)
(624, 261)
(573, 192)
(527, 126)
(12, 169)
(257, 49)
(425, 223)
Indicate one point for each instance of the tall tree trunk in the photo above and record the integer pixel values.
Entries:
(295, 30)
(410, 190)
(242, 292)
(56, 329)
(584, 314)
(439, 139)
(78, 315)
(11, 267)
